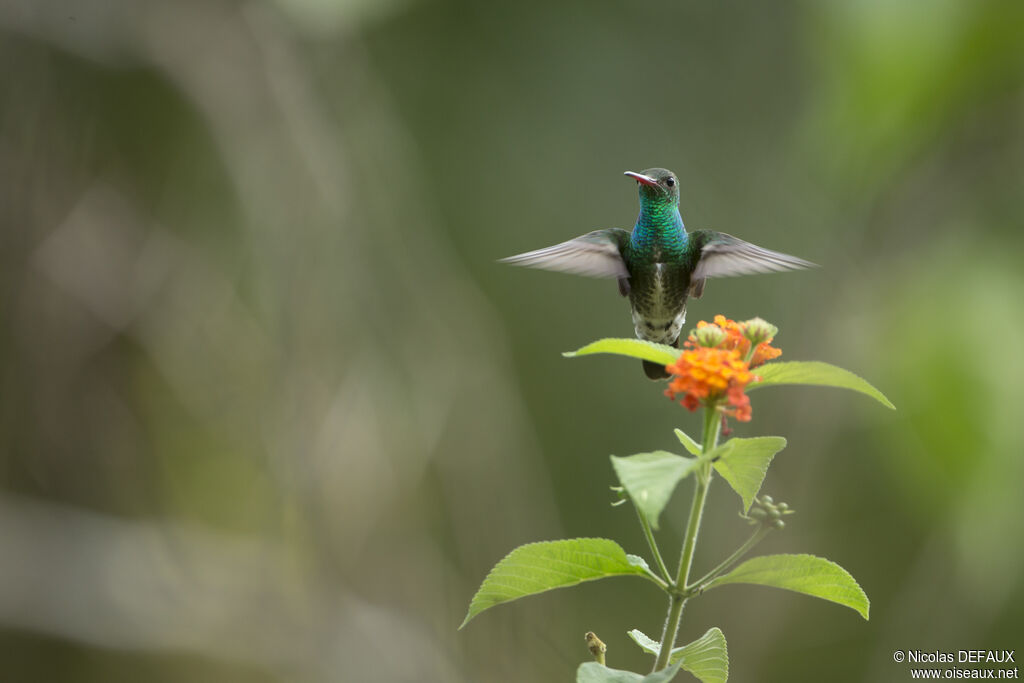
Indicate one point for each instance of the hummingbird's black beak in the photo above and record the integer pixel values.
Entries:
(641, 178)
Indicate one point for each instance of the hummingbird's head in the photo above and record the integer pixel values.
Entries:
(658, 187)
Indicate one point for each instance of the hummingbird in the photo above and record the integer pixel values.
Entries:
(658, 264)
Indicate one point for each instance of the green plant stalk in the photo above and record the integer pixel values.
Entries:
(728, 562)
(658, 561)
(712, 428)
(750, 353)
(702, 480)
(675, 613)
(657, 580)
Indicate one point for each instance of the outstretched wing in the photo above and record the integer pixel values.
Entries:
(596, 254)
(723, 255)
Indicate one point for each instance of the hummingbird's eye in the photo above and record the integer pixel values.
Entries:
(670, 181)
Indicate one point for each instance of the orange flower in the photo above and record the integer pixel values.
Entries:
(736, 337)
(703, 375)
(715, 364)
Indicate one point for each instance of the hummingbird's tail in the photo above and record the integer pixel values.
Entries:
(654, 371)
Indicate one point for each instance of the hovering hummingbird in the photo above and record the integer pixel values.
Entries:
(659, 264)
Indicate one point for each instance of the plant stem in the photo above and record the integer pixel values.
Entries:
(658, 561)
(728, 562)
(712, 427)
(678, 600)
(700, 494)
(702, 479)
(656, 580)
(675, 614)
(750, 354)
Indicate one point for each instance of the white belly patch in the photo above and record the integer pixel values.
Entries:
(662, 331)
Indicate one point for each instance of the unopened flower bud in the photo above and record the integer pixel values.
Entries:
(596, 647)
(779, 524)
(709, 335)
(758, 330)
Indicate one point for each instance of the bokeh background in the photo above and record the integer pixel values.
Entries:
(270, 410)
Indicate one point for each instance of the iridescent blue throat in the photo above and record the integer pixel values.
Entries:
(659, 229)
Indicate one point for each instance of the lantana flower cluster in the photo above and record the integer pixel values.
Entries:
(739, 336)
(716, 361)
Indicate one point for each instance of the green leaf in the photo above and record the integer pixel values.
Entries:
(538, 567)
(646, 643)
(650, 478)
(806, 574)
(688, 443)
(592, 672)
(707, 658)
(635, 348)
(638, 562)
(815, 373)
(744, 462)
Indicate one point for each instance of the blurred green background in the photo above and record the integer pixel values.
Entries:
(270, 410)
